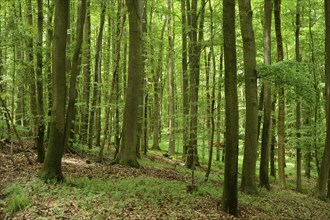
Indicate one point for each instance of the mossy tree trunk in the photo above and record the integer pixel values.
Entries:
(52, 167)
(229, 194)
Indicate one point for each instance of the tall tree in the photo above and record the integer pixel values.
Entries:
(196, 38)
(127, 152)
(94, 118)
(229, 194)
(32, 86)
(266, 129)
(87, 75)
(281, 98)
(321, 189)
(40, 96)
(298, 104)
(248, 184)
(184, 63)
(171, 147)
(75, 69)
(52, 167)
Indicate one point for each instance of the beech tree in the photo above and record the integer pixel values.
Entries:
(248, 184)
(127, 154)
(52, 167)
(229, 194)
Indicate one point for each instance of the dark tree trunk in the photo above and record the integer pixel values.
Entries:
(40, 102)
(229, 194)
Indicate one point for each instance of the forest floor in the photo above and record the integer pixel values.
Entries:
(93, 190)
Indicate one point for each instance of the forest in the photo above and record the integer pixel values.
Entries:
(174, 109)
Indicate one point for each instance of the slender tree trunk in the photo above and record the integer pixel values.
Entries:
(52, 168)
(273, 138)
(185, 95)
(248, 184)
(75, 69)
(40, 102)
(321, 189)
(281, 98)
(267, 124)
(229, 194)
(32, 87)
(171, 147)
(298, 106)
(157, 93)
(94, 119)
(86, 77)
(219, 118)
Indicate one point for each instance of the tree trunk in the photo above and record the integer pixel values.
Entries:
(298, 106)
(32, 87)
(194, 59)
(267, 124)
(229, 194)
(75, 69)
(321, 189)
(248, 184)
(86, 77)
(157, 91)
(171, 127)
(52, 166)
(94, 119)
(127, 152)
(281, 98)
(40, 103)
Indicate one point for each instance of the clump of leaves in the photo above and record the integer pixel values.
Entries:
(18, 198)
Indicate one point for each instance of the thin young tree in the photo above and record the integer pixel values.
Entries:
(298, 104)
(229, 194)
(248, 184)
(171, 147)
(281, 98)
(75, 69)
(52, 167)
(40, 96)
(267, 123)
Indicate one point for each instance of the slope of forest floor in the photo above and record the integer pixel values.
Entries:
(156, 191)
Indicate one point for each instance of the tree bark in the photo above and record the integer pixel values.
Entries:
(267, 124)
(281, 98)
(298, 105)
(171, 146)
(321, 189)
(75, 69)
(248, 184)
(86, 77)
(40, 102)
(127, 152)
(94, 118)
(229, 194)
(52, 167)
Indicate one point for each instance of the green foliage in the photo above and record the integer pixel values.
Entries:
(292, 74)
(18, 198)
